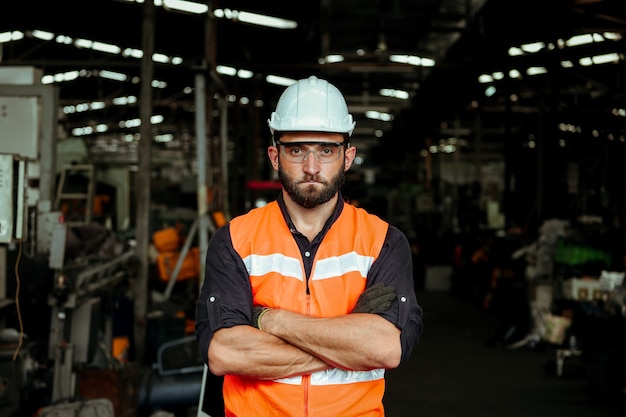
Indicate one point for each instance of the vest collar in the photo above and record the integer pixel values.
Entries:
(338, 209)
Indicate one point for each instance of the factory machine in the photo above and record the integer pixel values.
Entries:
(66, 314)
(62, 285)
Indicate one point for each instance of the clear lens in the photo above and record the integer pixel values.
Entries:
(325, 152)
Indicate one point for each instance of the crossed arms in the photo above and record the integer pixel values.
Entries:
(294, 344)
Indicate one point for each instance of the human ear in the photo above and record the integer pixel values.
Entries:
(350, 154)
(272, 153)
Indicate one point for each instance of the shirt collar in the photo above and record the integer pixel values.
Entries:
(338, 209)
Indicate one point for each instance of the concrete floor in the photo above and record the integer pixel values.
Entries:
(454, 372)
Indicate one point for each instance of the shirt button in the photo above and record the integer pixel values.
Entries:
(212, 299)
(307, 254)
(403, 299)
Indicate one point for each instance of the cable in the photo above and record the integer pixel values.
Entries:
(17, 302)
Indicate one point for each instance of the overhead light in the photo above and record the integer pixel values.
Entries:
(605, 59)
(389, 92)
(158, 84)
(162, 58)
(43, 35)
(245, 74)
(106, 47)
(156, 119)
(536, 70)
(534, 47)
(11, 36)
(164, 138)
(226, 70)
(485, 78)
(123, 101)
(278, 80)
(186, 6)
(255, 19)
(332, 59)
(60, 77)
(63, 39)
(581, 40)
(111, 75)
(513, 73)
(269, 21)
(376, 115)
(82, 107)
(490, 91)
(232, 72)
(412, 60)
(614, 36)
(619, 112)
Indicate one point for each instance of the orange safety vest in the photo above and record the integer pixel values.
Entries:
(274, 263)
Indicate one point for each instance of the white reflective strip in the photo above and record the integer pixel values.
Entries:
(339, 265)
(260, 265)
(336, 377)
(294, 380)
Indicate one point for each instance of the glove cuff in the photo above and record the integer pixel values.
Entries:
(258, 320)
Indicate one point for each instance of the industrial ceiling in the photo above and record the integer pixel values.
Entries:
(464, 38)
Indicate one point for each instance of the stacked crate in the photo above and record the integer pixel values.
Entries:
(168, 245)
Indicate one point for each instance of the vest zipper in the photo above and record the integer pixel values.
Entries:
(307, 378)
(307, 382)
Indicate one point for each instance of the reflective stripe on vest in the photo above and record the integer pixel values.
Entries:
(336, 376)
(325, 268)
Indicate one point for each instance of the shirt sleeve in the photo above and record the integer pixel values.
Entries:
(394, 267)
(225, 298)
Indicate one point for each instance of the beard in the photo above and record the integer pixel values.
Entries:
(310, 196)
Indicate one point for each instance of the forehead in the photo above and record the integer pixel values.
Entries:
(311, 137)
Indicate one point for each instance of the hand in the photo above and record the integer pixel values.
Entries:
(375, 299)
(257, 313)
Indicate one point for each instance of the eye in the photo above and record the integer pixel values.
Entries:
(294, 150)
(328, 150)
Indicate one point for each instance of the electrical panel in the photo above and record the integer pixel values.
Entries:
(12, 198)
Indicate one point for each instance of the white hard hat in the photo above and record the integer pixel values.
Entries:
(312, 105)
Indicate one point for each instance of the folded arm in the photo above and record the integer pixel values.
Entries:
(357, 341)
(248, 352)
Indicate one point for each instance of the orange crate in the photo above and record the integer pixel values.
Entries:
(190, 269)
(166, 240)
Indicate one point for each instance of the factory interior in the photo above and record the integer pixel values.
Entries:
(491, 132)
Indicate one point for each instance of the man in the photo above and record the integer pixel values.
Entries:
(307, 300)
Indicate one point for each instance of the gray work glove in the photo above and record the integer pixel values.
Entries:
(375, 299)
(257, 312)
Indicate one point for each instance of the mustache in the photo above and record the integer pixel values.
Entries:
(315, 178)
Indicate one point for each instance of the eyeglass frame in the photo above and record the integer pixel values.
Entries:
(278, 142)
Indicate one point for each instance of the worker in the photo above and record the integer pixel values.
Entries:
(307, 300)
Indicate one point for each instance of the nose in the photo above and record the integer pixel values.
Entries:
(311, 165)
